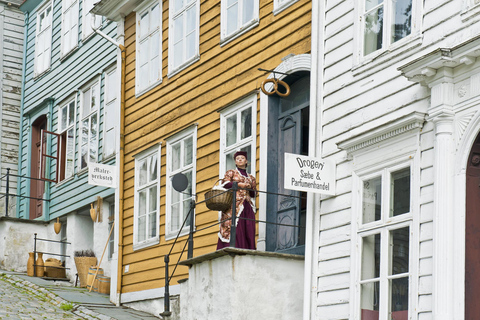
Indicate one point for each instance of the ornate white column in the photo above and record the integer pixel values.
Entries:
(441, 114)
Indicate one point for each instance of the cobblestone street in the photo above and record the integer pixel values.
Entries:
(18, 303)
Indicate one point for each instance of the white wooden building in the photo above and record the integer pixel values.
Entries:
(11, 57)
(397, 93)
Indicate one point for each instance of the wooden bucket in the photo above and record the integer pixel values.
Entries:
(91, 273)
(103, 284)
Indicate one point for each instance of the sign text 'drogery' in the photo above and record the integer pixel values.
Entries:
(309, 174)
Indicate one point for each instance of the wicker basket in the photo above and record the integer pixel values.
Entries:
(54, 268)
(218, 200)
(83, 264)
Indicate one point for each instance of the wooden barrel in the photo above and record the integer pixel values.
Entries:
(103, 284)
(91, 274)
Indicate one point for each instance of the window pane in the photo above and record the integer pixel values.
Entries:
(187, 193)
(178, 5)
(372, 199)
(175, 196)
(190, 43)
(86, 103)
(71, 113)
(69, 153)
(400, 192)
(191, 19)
(153, 168)
(142, 173)
(84, 152)
(141, 228)
(369, 4)
(144, 24)
(370, 300)
(246, 123)
(400, 247)
(231, 130)
(152, 201)
(153, 225)
(230, 163)
(95, 96)
(232, 19)
(63, 119)
(142, 203)
(373, 31)
(402, 19)
(399, 298)
(371, 257)
(176, 160)
(174, 217)
(247, 11)
(186, 209)
(155, 17)
(93, 138)
(188, 151)
(154, 58)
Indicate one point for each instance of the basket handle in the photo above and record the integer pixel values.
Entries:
(217, 181)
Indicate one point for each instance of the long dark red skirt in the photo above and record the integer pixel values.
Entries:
(245, 238)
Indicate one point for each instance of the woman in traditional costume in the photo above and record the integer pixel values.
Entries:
(245, 232)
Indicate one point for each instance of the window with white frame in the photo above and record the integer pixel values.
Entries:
(237, 16)
(183, 39)
(89, 124)
(238, 132)
(385, 22)
(384, 236)
(181, 158)
(69, 25)
(111, 109)
(147, 197)
(43, 39)
(88, 18)
(149, 47)
(66, 129)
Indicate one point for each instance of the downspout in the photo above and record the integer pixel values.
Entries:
(22, 99)
(120, 160)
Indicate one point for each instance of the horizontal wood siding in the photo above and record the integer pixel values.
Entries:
(195, 95)
(65, 77)
(11, 38)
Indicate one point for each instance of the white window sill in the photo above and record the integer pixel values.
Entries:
(139, 92)
(382, 56)
(64, 56)
(283, 6)
(226, 39)
(183, 66)
(146, 243)
(36, 76)
(172, 235)
(65, 181)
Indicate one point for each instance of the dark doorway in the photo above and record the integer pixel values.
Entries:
(472, 233)
(288, 133)
(37, 187)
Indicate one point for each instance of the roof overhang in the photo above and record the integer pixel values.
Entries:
(114, 9)
(30, 5)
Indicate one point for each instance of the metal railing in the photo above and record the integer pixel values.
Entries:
(233, 228)
(7, 193)
(49, 253)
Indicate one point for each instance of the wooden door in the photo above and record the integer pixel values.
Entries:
(37, 187)
(288, 134)
(472, 234)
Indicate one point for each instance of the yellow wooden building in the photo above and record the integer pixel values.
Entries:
(191, 98)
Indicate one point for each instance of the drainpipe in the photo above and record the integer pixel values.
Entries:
(120, 158)
(22, 99)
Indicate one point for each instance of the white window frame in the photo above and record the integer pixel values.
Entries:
(47, 33)
(237, 108)
(111, 104)
(280, 5)
(398, 45)
(242, 28)
(96, 82)
(186, 61)
(150, 34)
(62, 130)
(155, 150)
(180, 138)
(383, 227)
(87, 17)
(69, 38)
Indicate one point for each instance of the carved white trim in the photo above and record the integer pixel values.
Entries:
(461, 124)
(386, 131)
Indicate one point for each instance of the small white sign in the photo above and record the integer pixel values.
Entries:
(309, 174)
(102, 175)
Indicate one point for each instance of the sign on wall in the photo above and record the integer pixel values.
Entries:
(309, 174)
(102, 175)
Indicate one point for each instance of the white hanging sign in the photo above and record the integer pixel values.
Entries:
(102, 175)
(309, 174)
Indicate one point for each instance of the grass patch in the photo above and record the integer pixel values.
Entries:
(66, 306)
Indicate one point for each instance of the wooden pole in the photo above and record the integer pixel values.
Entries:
(98, 265)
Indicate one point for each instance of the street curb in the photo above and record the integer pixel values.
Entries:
(54, 299)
